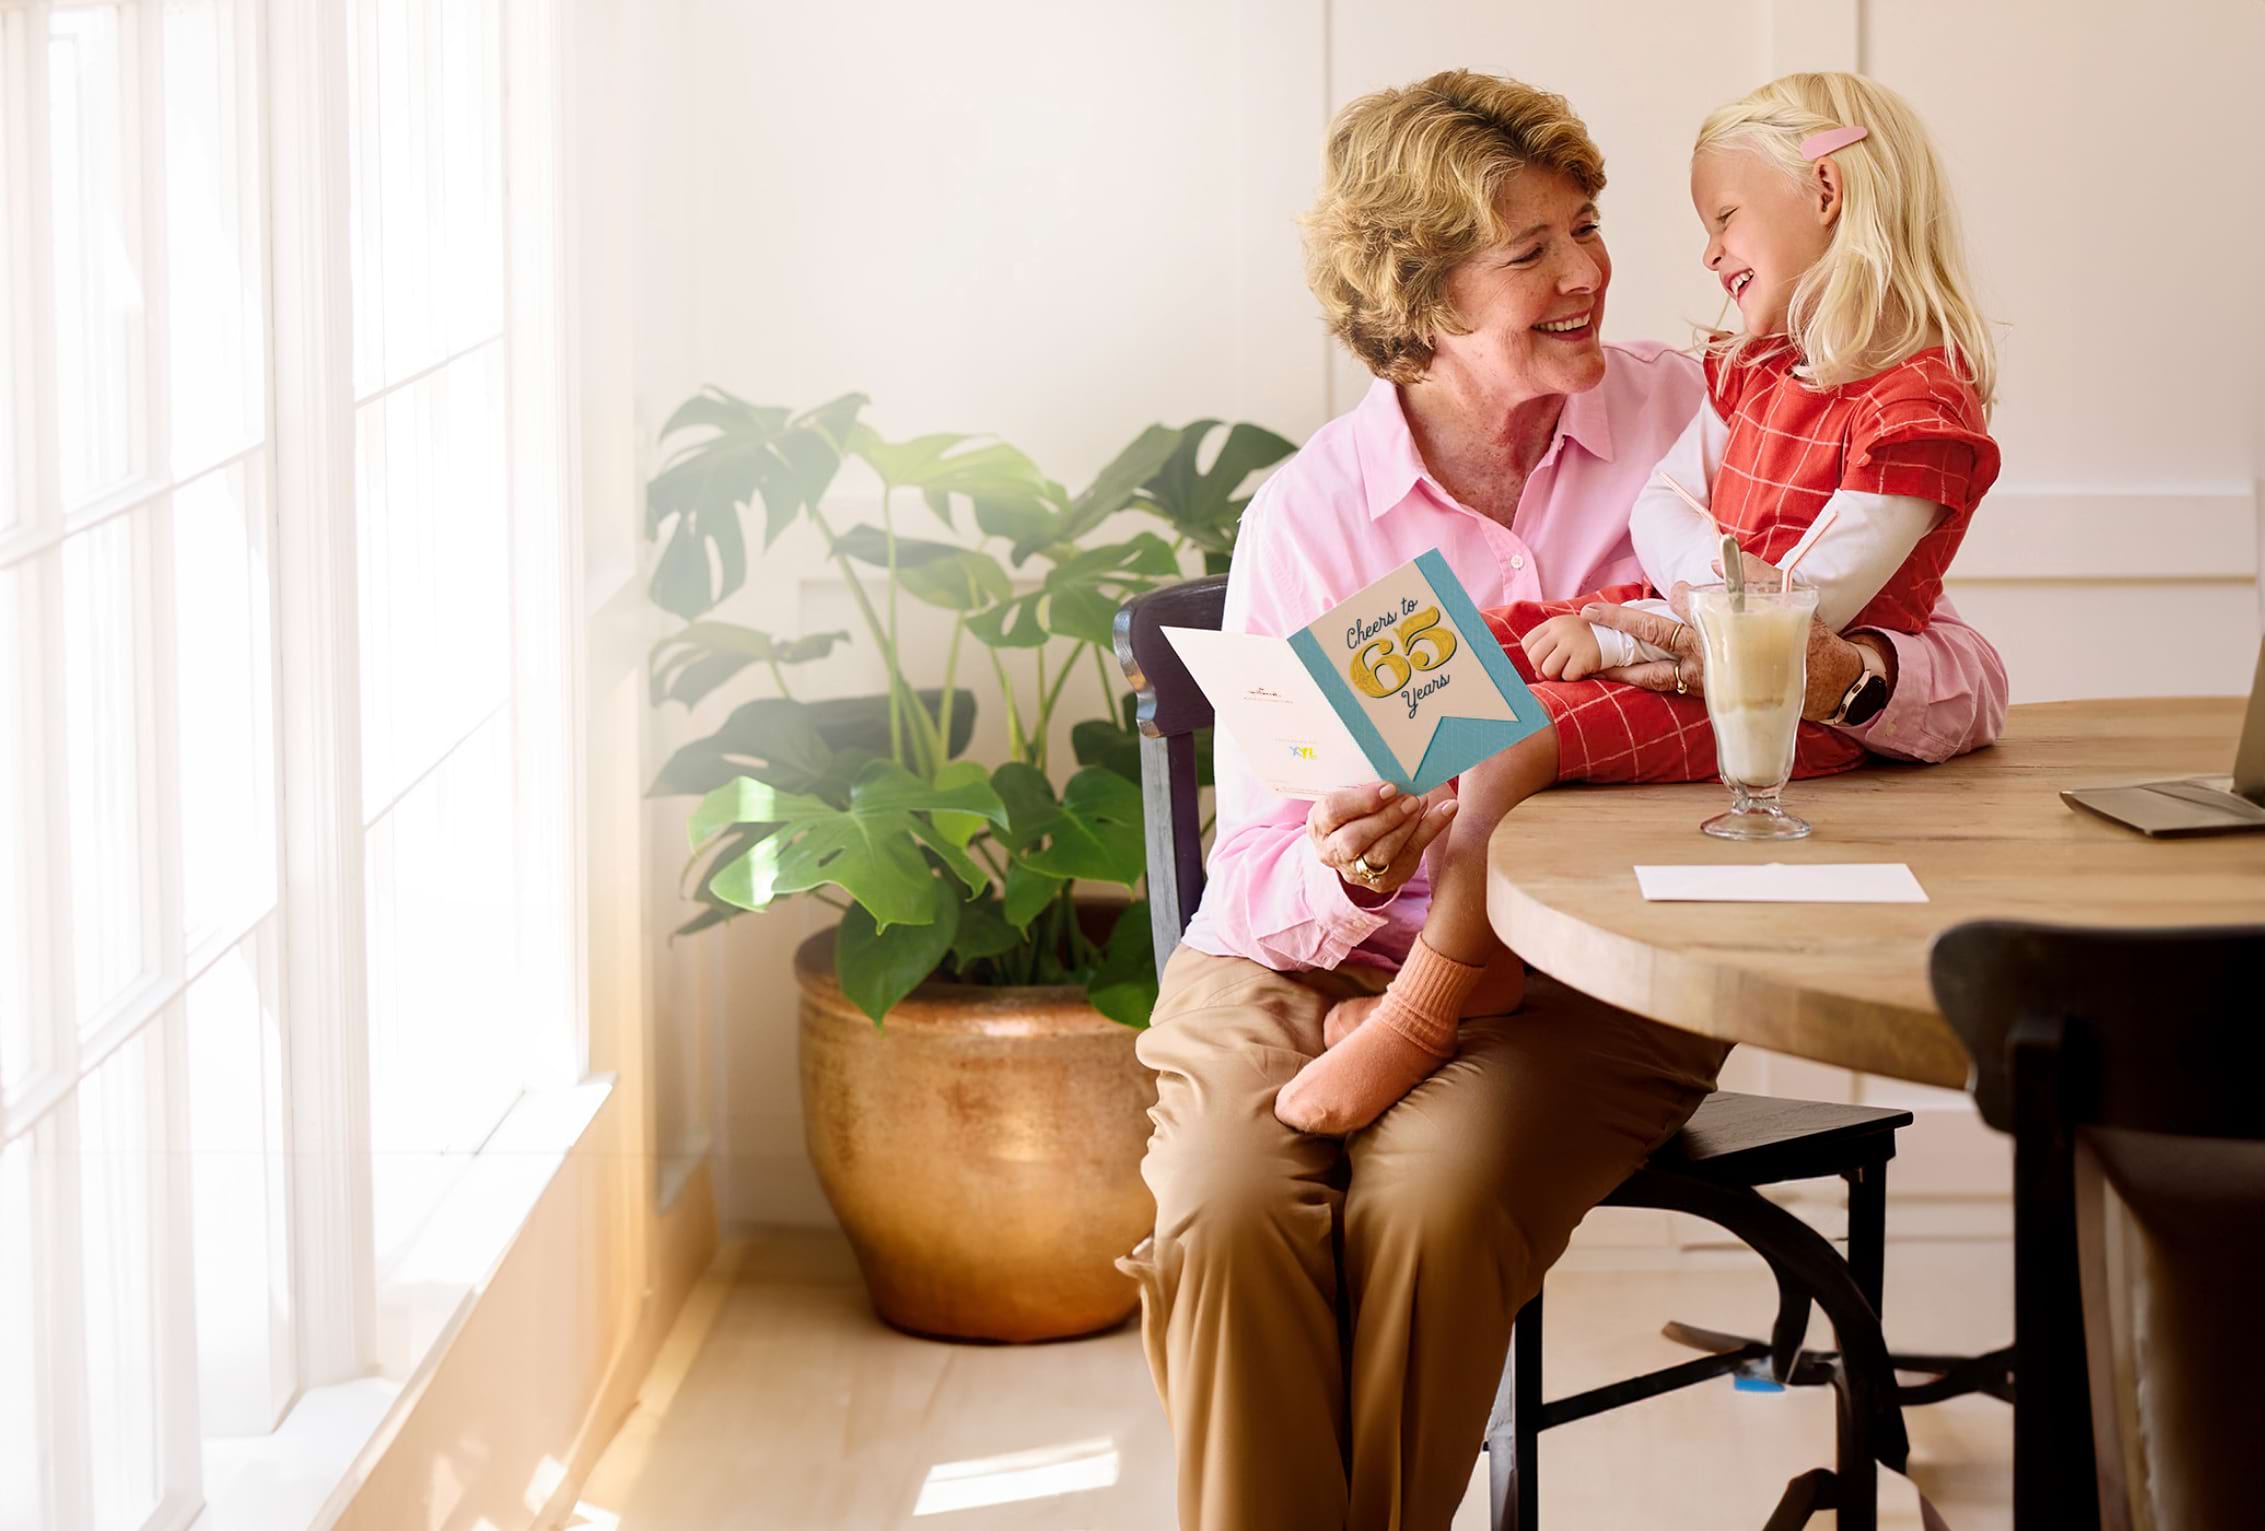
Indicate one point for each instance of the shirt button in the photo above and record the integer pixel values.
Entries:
(1517, 560)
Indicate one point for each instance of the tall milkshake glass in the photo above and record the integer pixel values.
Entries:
(1757, 646)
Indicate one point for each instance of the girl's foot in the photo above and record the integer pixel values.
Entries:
(1343, 1016)
(1411, 1032)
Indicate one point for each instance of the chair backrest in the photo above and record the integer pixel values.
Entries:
(2158, 1029)
(2128, 1059)
(1172, 709)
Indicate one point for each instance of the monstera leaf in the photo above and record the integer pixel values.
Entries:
(1080, 596)
(983, 933)
(871, 849)
(940, 573)
(1203, 505)
(799, 746)
(1097, 832)
(1028, 797)
(700, 877)
(1124, 986)
(1000, 481)
(751, 452)
(878, 967)
(862, 722)
(770, 740)
(1113, 487)
(1055, 520)
(1115, 746)
(1028, 894)
(690, 663)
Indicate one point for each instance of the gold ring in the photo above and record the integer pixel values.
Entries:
(1681, 687)
(1366, 873)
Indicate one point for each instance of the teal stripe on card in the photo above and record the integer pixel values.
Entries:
(1457, 603)
(1457, 744)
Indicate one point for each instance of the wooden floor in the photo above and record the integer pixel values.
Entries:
(781, 1402)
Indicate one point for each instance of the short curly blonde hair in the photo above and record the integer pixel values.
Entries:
(1411, 187)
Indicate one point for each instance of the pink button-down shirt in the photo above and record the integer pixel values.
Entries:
(1357, 502)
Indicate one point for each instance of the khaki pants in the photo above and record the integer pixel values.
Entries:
(1422, 1236)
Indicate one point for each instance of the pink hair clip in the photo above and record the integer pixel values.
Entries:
(1817, 145)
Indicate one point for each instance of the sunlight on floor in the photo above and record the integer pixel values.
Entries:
(1043, 1474)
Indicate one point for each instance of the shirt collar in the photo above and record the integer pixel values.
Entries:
(1390, 466)
(1387, 447)
(1588, 420)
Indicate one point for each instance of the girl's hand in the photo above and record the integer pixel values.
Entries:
(1374, 837)
(1563, 648)
(1685, 672)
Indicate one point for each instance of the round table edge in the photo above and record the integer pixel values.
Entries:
(1769, 1012)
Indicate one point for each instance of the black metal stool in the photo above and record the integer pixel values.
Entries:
(1733, 1144)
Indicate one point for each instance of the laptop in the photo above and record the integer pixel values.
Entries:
(2197, 805)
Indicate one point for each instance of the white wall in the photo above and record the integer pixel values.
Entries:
(1059, 223)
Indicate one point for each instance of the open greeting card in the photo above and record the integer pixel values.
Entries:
(1401, 683)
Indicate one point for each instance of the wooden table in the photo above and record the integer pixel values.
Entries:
(1846, 984)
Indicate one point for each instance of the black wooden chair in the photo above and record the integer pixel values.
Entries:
(1734, 1144)
(2129, 1059)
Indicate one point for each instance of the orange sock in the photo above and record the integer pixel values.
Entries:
(1386, 1056)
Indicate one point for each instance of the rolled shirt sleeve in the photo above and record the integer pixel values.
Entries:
(1949, 697)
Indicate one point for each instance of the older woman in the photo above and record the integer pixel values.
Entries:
(1326, 1320)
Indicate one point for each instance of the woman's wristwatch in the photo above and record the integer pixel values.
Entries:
(1866, 694)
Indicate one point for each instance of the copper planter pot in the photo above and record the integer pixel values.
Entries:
(982, 1152)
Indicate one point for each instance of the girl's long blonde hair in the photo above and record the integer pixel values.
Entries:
(1893, 278)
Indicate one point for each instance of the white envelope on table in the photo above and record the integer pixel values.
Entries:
(1855, 882)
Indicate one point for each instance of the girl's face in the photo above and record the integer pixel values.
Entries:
(1764, 229)
(1534, 303)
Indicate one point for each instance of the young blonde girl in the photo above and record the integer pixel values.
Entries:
(1860, 380)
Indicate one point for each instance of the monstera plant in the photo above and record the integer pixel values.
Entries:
(940, 865)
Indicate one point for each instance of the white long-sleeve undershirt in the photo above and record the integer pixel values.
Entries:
(1870, 537)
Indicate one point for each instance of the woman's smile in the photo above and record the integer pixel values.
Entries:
(1572, 327)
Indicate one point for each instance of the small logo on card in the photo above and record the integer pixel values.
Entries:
(1301, 752)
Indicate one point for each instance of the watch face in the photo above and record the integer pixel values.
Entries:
(1871, 696)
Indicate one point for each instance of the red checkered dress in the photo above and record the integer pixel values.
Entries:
(1917, 429)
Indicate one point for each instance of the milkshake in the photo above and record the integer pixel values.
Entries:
(1757, 646)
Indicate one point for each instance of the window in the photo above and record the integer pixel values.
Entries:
(445, 1057)
(155, 1103)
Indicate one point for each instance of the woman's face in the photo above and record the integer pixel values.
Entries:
(1535, 302)
(1764, 230)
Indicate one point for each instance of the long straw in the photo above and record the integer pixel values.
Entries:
(1808, 541)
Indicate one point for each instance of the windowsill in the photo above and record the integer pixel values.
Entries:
(302, 1476)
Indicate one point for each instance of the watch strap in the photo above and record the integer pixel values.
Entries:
(1871, 676)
